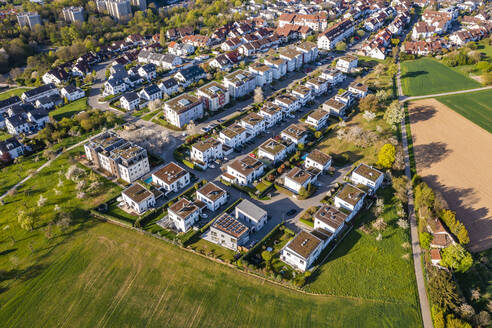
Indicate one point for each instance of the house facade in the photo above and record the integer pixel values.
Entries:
(172, 177)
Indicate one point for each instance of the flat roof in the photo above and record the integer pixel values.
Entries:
(183, 208)
(137, 192)
(170, 173)
(211, 191)
(319, 157)
(350, 194)
(368, 172)
(304, 243)
(330, 216)
(230, 226)
(272, 146)
(298, 175)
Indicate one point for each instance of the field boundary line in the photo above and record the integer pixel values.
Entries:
(405, 99)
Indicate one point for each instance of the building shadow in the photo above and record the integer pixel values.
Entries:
(421, 113)
(429, 154)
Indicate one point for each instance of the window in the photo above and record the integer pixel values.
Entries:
(301, 261)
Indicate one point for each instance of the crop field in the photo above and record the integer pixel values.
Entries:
(109, 276)
(475, 106)
(427, 76)
(451, 155)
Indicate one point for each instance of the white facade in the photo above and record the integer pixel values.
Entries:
(206, 151)
(73, 95)
(172, 177)
(184, 220)
(138, 205)
(367, 176)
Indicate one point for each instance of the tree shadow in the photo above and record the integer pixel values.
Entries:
(428, 154)
(414, 74)
(421, 113)
(24, 274)
(475, 218)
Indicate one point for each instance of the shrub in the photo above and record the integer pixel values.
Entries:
(425, 240)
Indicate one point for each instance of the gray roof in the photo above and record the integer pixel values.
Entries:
(251, 209)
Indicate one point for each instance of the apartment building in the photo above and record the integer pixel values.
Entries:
(183, 109)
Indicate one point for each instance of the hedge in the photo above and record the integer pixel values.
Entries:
(263, 240)
(108, 217)
(307, 222)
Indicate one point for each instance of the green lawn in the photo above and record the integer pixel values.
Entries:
(362, 266)
(475, 106)
(70, 109)
(109, 276)
(12, 174)
(12, 92)
(4, 135)
(427, 76)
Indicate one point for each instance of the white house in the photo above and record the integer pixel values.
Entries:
(253, 123)
(338, 32)
(335, 107)
(130, 101)
(295, 133)
(358, 89)
(298, 178)
(212, 195)
(333, 76)
(293, 57)
(288, 102)
(317, 85)
(302, 93)
(240, 83)
(150, 93)
(183, 109)
(40, 92)
(304, 249)
(264, 73)
(228, 232)
(138, 198)
(243, 171)
(278, 65)
(205, 151)
(309, 51)
(11, 148)
(273, 150)
(347, 63)
(214, 96)
(168, 86)
(271, 113)
(72, 93)
(329, 218)
(172, 177)
(317, 119)
(184, 214)
(367, 176)
(318, 160)
(255, 217)
(114, 86)
(147, 71)
(233, 136)
(350, 198)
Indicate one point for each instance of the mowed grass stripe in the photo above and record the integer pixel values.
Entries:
(475, 106)
(427, 76)
(88, 282)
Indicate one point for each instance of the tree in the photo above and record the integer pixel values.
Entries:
(456, 227)
(487, 78)
(457, 258)
(267, 256)
(317, 134)
(369, 103)
(425, 240)
(442, 289)
(438, 317)
(394, 114)
(400, 186)
(452, 322)
(26, 220)
(386, 156)
(382, 95)
(258, 97)
(303, 192)
(341, 46)
(392, 70)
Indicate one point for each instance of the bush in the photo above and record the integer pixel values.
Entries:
(425, 240)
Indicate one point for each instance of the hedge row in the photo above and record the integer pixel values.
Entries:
(253, 249)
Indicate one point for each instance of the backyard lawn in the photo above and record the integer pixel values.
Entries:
(70, 109)
(12, 92)
(475, 106)
(427, 76)
(362, 266)
(114, 277)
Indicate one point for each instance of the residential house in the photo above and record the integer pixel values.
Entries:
(254, 124)
(117, 156)
(309, 51)
(189, 75)
(264, 73)
(114, 86)
(278, 65)
(358, 89)
(184, 214)
(214, 96)
(255, 217)
(168, 86)
(347, 63)
(335, 107)
(10, 149)
(72, 93)
(303, 93)
(288, 102)
(9, 102)
(221, 62)
(150, 93)
(317, 85)
(240, 83)
(367, 176)
(57, 76)
(228, 232)
(243, 171)
(318, 160)
(138, 198)
(333, 76)
(40, 92)
(273, 150)
(293, 57)
(435, 255)
(18, 124)
(130, 101)
(171, 177)
(180, 49)
(329, 218)
(338, 32)
(295, 133)
(271, 113)
(304, 249)
(350, 198)
(233, 135)
(317, 119)
(297, 178)
(183, 109)
(147, 71)
(212, 195)
(205, 151)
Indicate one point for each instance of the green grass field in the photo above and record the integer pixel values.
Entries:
(12, 92)
(70, 109)
(475, 106)
(427, 76)
(109, 276)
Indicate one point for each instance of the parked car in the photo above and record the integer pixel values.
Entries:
(205, 129)
(291, 212)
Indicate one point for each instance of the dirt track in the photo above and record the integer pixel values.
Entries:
(454, 156)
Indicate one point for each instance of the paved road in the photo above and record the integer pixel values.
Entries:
(416, 250)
